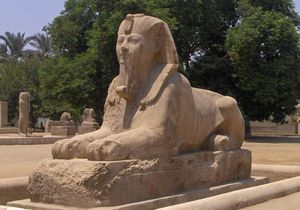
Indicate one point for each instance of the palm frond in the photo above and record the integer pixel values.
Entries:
(42, 43)
(15, 43)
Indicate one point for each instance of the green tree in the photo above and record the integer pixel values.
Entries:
(69, 30)
(286, 7)
(66, 85)
(211, 67)
(264, 49)
(18, 76)
(87, 31)
(15, 43)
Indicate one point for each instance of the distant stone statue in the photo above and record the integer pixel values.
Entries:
(65, 117)
(88, 121)
(151, 110)
(64, 127)
(88, 116)
(24, 109)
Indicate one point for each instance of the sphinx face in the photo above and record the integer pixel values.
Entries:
(129, 52)
(135, 56)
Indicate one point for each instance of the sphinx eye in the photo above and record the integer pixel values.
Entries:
(120, 40)
(134, 39)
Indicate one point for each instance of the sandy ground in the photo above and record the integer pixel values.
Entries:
(274, 153)
(19, 160)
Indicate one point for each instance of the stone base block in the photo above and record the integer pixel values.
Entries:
(89, 184)
(63, 130)
(153, 203)
(87, 129)
(6, 130)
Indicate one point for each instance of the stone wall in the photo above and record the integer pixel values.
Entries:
(273, 128)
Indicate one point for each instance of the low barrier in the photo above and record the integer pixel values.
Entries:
(243, 198)
(13, 189)
(28, 140)
(273, 128)
(275, 172)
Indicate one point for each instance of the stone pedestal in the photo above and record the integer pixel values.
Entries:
(9, 130)
(89, 184)
(3, 114)
(64, 127)
(154, 203)
(67, 130)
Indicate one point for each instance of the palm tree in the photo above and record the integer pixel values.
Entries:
(15, 43)
(43, 43)
(3, 52)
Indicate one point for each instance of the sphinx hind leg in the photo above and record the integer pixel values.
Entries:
(230, 133)
(233, 125)
(218, 143)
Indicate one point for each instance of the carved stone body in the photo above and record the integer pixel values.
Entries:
(151, 110)
(24, 109)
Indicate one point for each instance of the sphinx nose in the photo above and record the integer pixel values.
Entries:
(124, 46)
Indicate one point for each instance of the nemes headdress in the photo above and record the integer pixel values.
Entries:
(142, 24)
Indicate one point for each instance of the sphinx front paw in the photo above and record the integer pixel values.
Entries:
(69, 148)
(106, 150)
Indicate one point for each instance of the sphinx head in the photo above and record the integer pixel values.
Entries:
(144, 42)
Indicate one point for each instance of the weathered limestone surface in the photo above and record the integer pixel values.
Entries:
(3, 114)
(104, 183)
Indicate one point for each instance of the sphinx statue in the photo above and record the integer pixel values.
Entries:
(88, 117)
(159, 135)
(151, 110)
(89, 122)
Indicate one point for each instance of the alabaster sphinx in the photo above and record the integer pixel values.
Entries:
(159, 135)
(151, 110)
